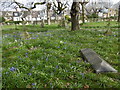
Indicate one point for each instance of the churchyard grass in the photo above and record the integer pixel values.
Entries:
(50, 58)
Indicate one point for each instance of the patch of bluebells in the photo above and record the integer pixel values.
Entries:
(26, 55)
(33, 38)
(13, 69)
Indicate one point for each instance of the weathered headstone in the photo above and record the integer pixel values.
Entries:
(97, 63)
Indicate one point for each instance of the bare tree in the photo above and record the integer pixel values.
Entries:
(59, 8)
(33, 5)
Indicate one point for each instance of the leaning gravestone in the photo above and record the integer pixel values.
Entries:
(97, 63)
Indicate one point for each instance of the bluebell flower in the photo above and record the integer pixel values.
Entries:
(36, 35)
(82, 74)
(58, 47)
(6, 72)
(64, 42)
(33, 38)
(12, 69)
(33, 67)
(33, 84)
(57, 66)
(29, 74)
(115, 35)
(47, 59)
(50, 83)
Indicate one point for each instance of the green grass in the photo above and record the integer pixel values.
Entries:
(113, 24)
(51, 58)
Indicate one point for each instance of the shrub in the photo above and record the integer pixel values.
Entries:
(67, 17)
(2, 19)
(93, 15)
(14, 22)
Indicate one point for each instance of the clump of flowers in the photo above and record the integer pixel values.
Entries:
(13, 69)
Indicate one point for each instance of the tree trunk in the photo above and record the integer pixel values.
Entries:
(56, 19)
(42, 23)
(31, 17)
(75, 16)
(83, 18)
(119, 14)
(48, 17)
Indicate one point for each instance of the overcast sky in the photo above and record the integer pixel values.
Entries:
(39, 7)
(23, 1)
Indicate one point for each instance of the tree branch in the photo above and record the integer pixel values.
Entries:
(29, 9)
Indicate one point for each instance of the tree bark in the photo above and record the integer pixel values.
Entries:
(83, 18)
(75, 16)
(119, 14)
(48, 17)
(48, 13)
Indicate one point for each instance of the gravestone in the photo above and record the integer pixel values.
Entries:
(96, 61)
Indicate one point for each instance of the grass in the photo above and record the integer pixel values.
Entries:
(50, 58)
(101, 24)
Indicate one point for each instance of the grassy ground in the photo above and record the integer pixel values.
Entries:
(50, 58)
(113, 24)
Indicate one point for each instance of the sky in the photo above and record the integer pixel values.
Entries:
(114, 1)
(39, 7)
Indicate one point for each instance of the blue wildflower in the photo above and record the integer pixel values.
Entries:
(33, 38)
(33, 67)
(0, 75)
(64, 42)
(58, 47)
(6, 72)
(82, 74)
(12, 69)
(47, 59)
(57, 66)
(115, 35)
(26, 56)
(33, 84)
(36, 35)
(29, 74)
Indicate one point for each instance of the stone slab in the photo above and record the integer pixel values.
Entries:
(96, 61)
